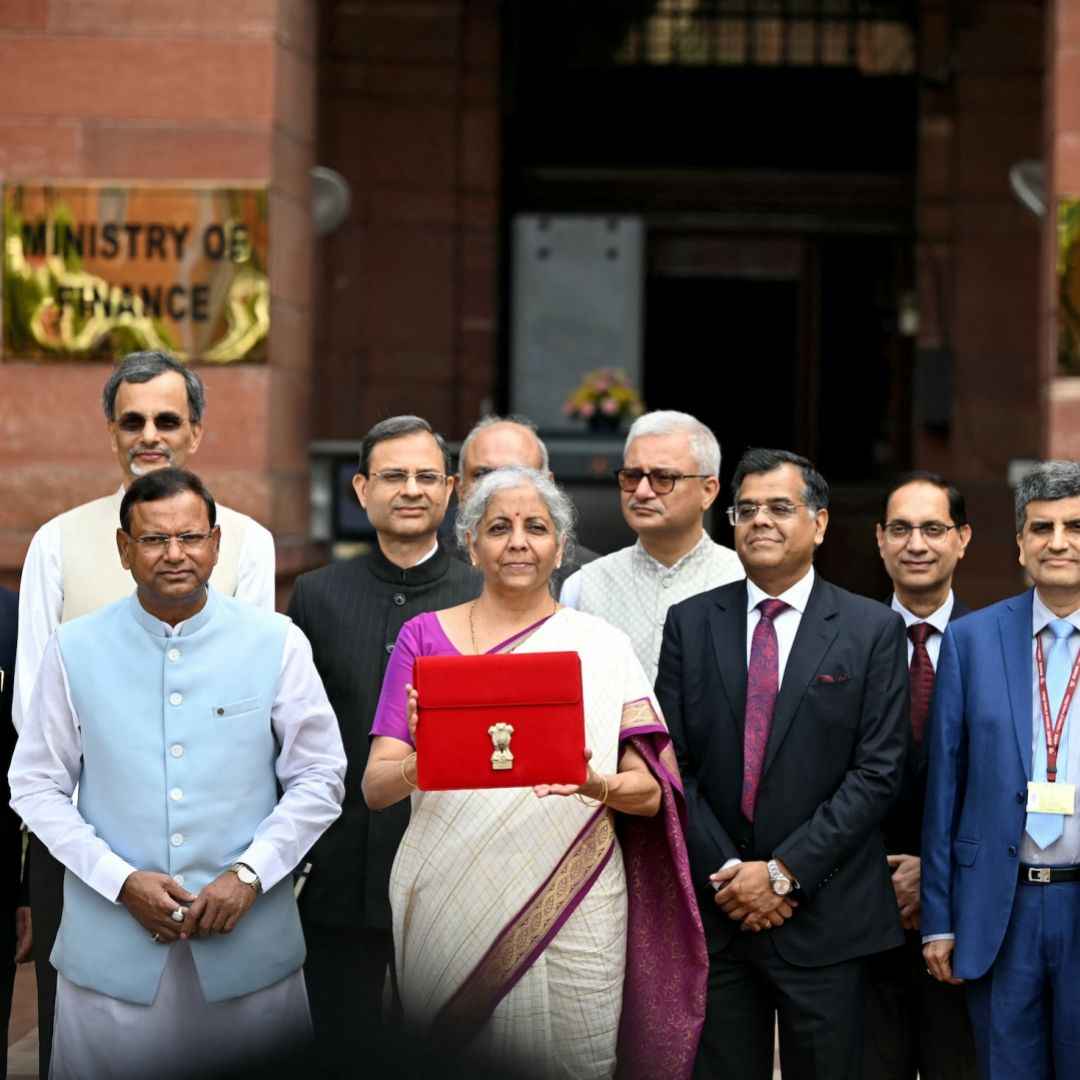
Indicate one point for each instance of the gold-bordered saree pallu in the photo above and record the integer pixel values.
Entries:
(469, 926)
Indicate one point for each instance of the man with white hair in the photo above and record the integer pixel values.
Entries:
(669, 479)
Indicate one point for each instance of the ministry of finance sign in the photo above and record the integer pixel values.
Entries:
(93, 272)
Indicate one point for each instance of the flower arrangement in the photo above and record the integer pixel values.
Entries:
(604, 393)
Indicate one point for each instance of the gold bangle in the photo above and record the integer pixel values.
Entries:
(593, 802)
(404, 762)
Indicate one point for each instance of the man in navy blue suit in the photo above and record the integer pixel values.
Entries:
(1001, 836)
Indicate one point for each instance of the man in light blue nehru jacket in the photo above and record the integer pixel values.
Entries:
(208, 761)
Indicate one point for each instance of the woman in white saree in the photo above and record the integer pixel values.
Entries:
(558, 932)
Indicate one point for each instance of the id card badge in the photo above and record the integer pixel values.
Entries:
(1044, 798)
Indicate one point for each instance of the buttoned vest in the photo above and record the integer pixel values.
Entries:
(90, 570)
(178, 772)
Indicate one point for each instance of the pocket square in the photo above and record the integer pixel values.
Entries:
(827, 679)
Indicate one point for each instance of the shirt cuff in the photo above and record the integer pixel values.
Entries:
(263, 858)
(109, 875)
(938, 937)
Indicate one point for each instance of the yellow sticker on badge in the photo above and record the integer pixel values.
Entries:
(1046, 798)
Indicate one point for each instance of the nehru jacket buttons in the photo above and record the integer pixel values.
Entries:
(1012, 850)
(389, 646)
(1019, 796)
(176, 699)
(173, 655)
(176, 794)
(176, 750)
(399, 598)
(666, 583)
(176, 839)
(178, 878)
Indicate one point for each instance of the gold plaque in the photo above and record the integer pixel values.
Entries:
(93, 272)
(500, 734)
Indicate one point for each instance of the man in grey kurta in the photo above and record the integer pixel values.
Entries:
(669, 479)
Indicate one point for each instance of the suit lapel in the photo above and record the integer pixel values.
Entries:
(1014, 625)
(727, 624)
(812, 640)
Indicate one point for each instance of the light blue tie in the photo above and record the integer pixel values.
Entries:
(1044, 829)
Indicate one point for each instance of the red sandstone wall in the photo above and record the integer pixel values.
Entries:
(142, 90)
(984, 115)
(1061, 434)
(408, 286)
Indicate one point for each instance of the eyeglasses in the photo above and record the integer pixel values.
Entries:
(899, 531)
(159, 542)
(399, 478)
(166, 421)
(744, 513)
(662, 481)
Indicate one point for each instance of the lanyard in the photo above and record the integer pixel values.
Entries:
(1053, 734)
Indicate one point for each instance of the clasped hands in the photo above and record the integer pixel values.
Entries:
(746, 896)
(152, 898)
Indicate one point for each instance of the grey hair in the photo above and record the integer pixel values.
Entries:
(514, 418)
(472, 510)
(397, 427)
(141, 367)
(1047, 482)
(703, 443)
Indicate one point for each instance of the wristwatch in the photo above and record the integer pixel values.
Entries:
(781, 883)
(249, 877)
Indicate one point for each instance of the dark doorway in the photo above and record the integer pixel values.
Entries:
(728, 351)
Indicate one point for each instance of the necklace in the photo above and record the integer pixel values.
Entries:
(472, 628)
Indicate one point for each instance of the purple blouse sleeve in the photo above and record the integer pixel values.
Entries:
(391, 715)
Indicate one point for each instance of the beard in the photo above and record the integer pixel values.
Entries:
(141, 470)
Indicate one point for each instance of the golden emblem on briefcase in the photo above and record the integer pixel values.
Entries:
(500, 734)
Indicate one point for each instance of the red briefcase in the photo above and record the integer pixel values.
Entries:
(508, 720)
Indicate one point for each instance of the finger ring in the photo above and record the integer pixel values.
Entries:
(155, 937)
(178, 915)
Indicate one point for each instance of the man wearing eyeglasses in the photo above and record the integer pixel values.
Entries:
(787, 702)
(208, 761)
(669, 479)
(495, 441)
(916, 1026)
(352, 612)
(154, 408)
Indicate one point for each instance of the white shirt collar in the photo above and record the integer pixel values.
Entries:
(1042, 616)
(939, 619)
(796, 597)
(430, 554)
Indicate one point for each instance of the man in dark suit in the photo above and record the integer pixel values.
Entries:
(14, 912)
(916, 1026)
(1001, 836)
(352, 612)
(787, 699)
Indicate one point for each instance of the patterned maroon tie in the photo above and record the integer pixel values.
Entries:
(921, 679)
(762, 686)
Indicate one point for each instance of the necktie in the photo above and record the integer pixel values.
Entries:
(920, 678)
(1044, 829)
(762, 686)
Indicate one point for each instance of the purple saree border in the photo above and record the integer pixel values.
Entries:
(473, 1002)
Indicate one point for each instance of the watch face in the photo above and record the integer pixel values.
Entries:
(781, 886)
(246, 875)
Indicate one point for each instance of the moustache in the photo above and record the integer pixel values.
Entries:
(647, 504)
(159, 448)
